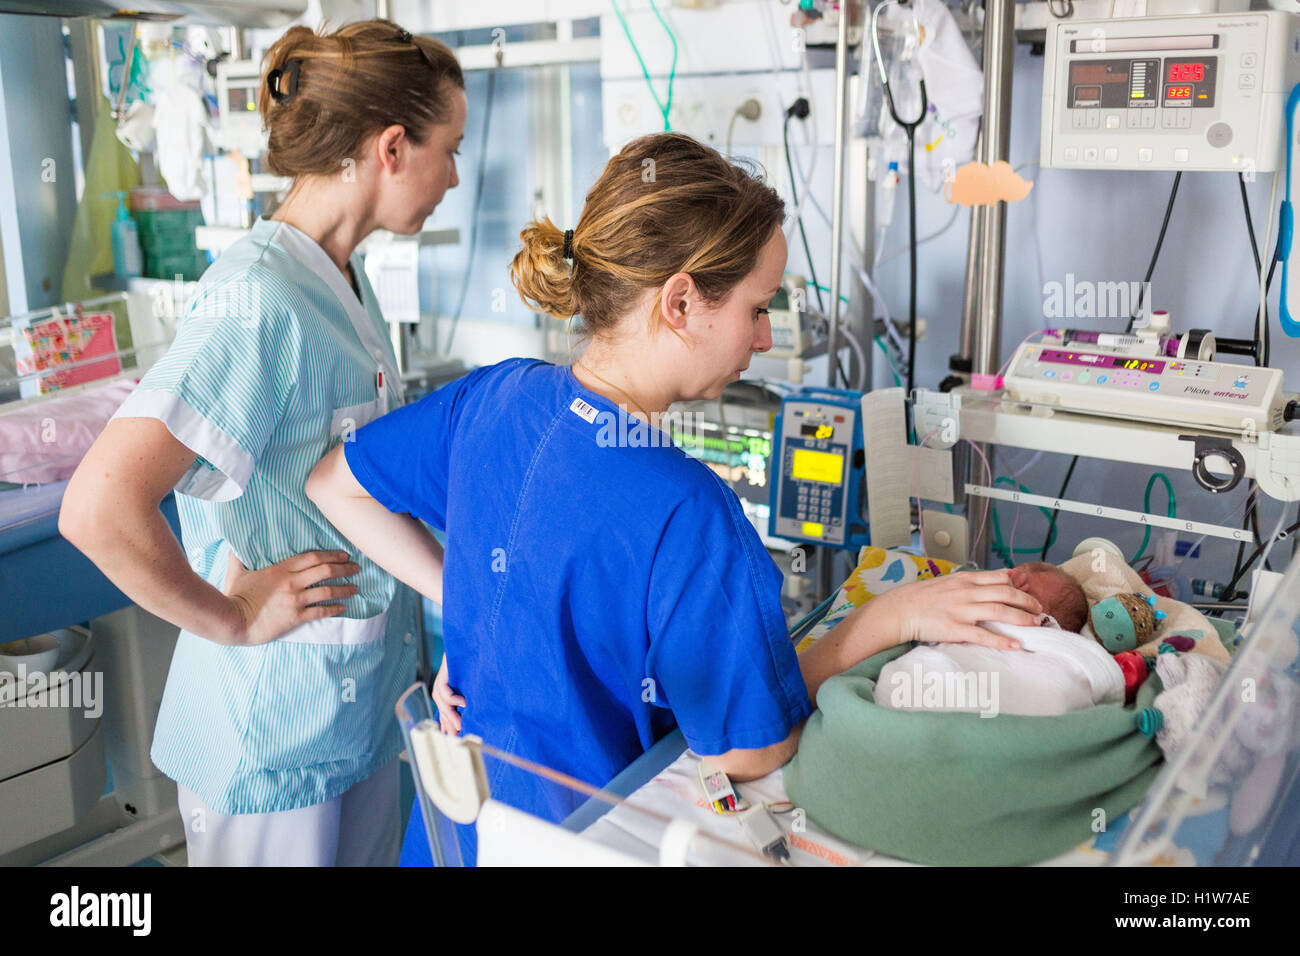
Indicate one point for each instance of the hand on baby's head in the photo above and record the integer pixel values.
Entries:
(1061, 595)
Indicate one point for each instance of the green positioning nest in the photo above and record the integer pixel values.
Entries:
(960, 789)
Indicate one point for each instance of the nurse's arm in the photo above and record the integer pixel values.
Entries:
(849, 642)
(111, 514)
(398, 543)
(945, 609)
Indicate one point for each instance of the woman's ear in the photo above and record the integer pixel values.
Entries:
(677, 299)
(390, 148)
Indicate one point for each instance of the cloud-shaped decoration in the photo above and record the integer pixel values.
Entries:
(978, 185)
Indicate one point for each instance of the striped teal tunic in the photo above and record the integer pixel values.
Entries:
(275, 362)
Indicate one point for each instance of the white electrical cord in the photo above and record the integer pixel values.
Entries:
(948, 225)
(890, 331)
(1225, 515)
(922, 241)
(856, 347)
(821, 210)
(853, 242)
(863, 275)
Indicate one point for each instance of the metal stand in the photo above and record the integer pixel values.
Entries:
(837, 193)
(981, 331)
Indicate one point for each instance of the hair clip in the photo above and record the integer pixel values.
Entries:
(404, 36)
(290, 71)
(568, 243)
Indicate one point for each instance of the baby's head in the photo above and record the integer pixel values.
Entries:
(1060, 595)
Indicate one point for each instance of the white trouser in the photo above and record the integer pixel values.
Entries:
(358, 828)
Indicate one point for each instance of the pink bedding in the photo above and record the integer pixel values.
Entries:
(44, 441)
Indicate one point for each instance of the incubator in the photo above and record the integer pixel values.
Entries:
(1159, 92)
(81, 669)
(1231, 797)
(1228, 797)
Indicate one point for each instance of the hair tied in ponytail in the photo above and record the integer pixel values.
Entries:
(290, 73)
(568, 243)
(346, 86)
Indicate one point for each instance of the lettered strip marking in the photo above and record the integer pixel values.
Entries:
(1115, 514)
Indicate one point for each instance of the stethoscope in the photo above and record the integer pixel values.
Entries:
(910, 128)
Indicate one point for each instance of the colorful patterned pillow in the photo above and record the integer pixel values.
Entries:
(878, 570)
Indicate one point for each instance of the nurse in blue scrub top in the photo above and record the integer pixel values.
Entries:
(277, 721)
(601, 587)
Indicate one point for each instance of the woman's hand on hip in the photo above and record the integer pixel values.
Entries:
(948, 609)
(447, 700)
(276, 599)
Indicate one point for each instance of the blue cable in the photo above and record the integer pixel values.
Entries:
(1286, 224)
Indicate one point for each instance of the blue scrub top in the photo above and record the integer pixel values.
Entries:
(600, 586)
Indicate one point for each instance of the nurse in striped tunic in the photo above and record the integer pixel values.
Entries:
(277, 721)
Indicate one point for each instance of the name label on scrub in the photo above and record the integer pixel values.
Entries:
(583, 410)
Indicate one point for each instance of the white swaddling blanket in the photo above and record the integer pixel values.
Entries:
(1055, 672)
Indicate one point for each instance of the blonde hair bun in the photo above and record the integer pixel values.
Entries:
(664, 204)
(541, 273)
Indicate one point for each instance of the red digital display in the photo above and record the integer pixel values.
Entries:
(1186, 73)
(1178, 93)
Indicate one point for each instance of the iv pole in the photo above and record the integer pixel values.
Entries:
(981, 329)
(826, 556)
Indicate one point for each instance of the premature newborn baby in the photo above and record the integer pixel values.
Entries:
(1056, 671)
(1060, 595)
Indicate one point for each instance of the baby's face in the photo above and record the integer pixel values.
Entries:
(1045, 587)
(1048, 583)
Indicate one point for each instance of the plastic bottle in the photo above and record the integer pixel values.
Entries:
(126, 240)
(888, 192)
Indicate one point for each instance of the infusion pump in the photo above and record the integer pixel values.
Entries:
(1121, 382)
(1200, 92)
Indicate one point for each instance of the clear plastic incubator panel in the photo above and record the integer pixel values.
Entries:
(1230, 796)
